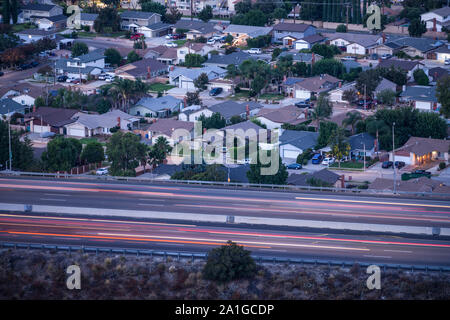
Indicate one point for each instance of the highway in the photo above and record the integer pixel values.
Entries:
(197, 237)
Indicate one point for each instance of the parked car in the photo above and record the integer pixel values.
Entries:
(368, 103)
(75, 81)
(109, 78)
(327, 161)
(169, 37)
(348, 58)
(447, 62)
(1, 73)
(171, 44)
(136, 36)
(386, 56)
(421, 172)
(69, 80)
(102, 171)
(211, 41)
(254, 51)
(23, 66)
(62, 78)
(102, 76)
(386, 164)
(294, 166)
(399, 164)
(215, 91)
(34, 64)
(317, 158)
(303, 104)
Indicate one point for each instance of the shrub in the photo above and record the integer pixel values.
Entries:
(442, 166)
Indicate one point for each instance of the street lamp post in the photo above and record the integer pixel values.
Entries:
(393, 157)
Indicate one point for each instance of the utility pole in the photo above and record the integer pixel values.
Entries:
(54, 76)
(364, 156)
(9, 133)
(393, 158)
(365, 89)
(192, 18)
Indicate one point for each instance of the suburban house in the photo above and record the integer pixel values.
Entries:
(385, 84)
(354, 43)
(244, 132)
(173, 130)
(323, 177)
(169, 57)
(32, 35)
(142, 69)
(133, 20)
(275, 118)
(8, 107)
(184, 77)
(293, 143)
(422, 47)
(156, 107)
(242, 33)
(336, 94)
(230, 108)
(155, 52)
(46, 119)
(195, 29)
(313, 86)
(192, 113)
(88, 125)
(421, 97)
(361, 143)
(227, 85)
(198, 48)
(308, 58)
(46, 16)
(288, 84)
(405, 65)
(91, 63)
(222, 61)
(437, 73)
(23, 93)
(437, 19)
(155, 30)
(338, 119)
(417, 151)
(288, 33)
(308, 42)
(88, 19)
(441, 54)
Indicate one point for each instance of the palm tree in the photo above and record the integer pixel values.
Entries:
(159, 151)
(352, 119)
(125, 87)
(323, 109)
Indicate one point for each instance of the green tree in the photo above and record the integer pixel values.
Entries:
(420, 77)
(352, 118)
(172, 16)
(150, 6)
(368, 81)
(22, 151)
(229, 262)
(192, 60)
(236, 119)
(253, 17)
(108, 20)
(325, 131)
(62, 154)
(192, 98)
(416, 28)
(201, 82)
(276, 52)
(323, 109)
(258, 84)
(206, 14)
(326, 51)
(93, 152)
(133, 57)
(349, 95)
(125, 152)
(395, 75)
(443, 95)
(216, 121)
(341, 28)
(339, 147)
(386, 96)
(254, 174)
(113, 57)
(159, 151)
(79, 48)
(332, 67)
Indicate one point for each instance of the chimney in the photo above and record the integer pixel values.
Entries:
(172, 68)
(118, 122)
(284, 78)
(340, 84)
(384, 37)
(204, 130)
(34, 108)
(313, 58)
(435, 76)
(305, 111)
(434, 25)
(342, 181)
(184, 102)
(247, 112)
(149, 74)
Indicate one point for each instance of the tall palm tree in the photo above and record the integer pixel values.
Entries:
(126, 88)
(353, 117)
(323, 109)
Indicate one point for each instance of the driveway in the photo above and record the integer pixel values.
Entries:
(10, 78)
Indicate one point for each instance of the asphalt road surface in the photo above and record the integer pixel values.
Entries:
(195, 237)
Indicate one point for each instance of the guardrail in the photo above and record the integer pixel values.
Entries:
(224, 184)
(199, 255)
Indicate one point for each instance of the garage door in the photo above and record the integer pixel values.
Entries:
(75, 132)
(291, 154)
(301, 94)
(187, 85)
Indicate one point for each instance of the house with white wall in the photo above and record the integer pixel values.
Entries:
(437, 19)
(91, 63)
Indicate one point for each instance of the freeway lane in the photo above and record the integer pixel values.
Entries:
(197, 238)
(217, 201)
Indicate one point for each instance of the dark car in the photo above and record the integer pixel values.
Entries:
(215, 91)
(24, 66)
(387, 164)
(399, 164)
(421, 172)
(294, 166)
(34, 64)
(1, 73)
(365, 104)
(302, 104)
(62, 78)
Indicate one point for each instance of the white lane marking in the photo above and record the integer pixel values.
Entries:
(150, 204)
(273, 250)
(402, 251)
(148, 199)
(50, 199)
(370, 256)
(57, 194)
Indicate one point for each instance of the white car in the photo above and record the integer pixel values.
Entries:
(171, 44)
(211, 41)
(109, 79)
(69, 80)
(254, 51)
(327, 161)
(101, 171)
(169, 37)
(348, 58)
(102, 77)
(447, 62)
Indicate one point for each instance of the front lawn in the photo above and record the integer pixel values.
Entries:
(88, 140)
(349, 165)
(84, 34)
(160, 87)
(180, 42)
(241, 95)
(23, 26)
(271, 96)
